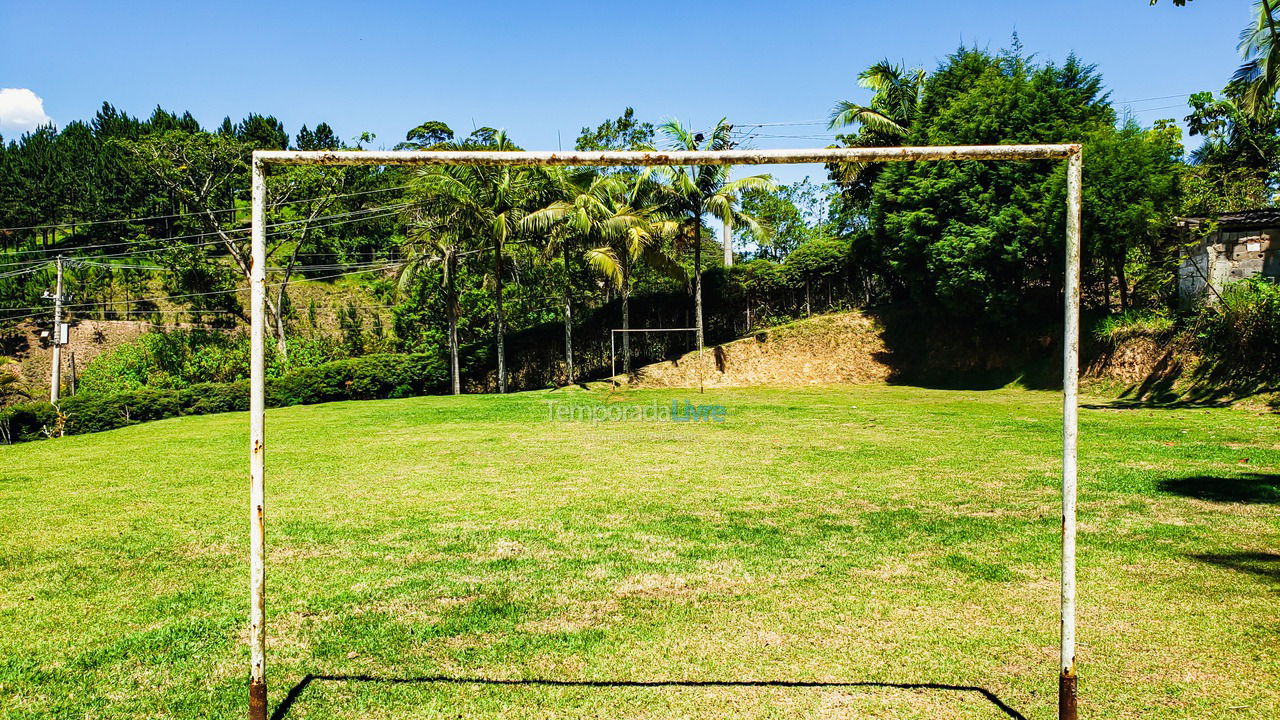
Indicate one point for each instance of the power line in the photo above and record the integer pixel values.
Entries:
(1160, 97)
(382, 266)
(378, 212)
(29, 271)
(778, 123)
(1153, 109)
(325, 266)
(190, 214)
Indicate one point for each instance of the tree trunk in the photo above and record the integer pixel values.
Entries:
(626, 318)
(451, 309)
(697, 277)
(498, 316)
(568, 317)
(1123, 286)
(1106, 286)
(281, 347)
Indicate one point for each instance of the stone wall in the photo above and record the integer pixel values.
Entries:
(1224, 257)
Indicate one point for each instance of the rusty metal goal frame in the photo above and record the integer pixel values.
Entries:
(263, 159)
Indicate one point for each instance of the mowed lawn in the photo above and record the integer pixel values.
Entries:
(829, 552)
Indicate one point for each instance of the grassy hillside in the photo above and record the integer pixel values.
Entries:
(842, 551)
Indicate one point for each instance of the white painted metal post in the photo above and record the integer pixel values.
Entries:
(257, 413)
(1070, 385)
(1071, 337)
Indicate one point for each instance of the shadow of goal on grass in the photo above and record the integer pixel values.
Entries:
(283, 709)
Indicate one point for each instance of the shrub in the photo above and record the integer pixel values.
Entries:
(817, 260)
(182, 358)
(1243, 327)
(1130, 324)
(207, 398)
(27, 421)
(95, 413)
(364, 378)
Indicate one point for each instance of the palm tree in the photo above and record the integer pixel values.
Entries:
(10, 382)
(1260, 73)
(1259, 76)
(425, 247)
(601, 214)
(481, 204)
(885, 122)
(561, 222)
(689, 192)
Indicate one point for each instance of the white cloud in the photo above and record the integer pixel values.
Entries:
(21, 110)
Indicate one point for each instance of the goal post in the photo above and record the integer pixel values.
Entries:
(264, 159)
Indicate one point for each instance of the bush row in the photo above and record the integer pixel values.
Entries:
(364, 378)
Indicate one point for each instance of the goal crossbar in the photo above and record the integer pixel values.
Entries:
(263, 159)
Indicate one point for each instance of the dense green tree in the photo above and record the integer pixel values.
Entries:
(1132, 193)
(429, 135)
(790, 215)
(322, 138)
(262, 132)
(970, 236)
(624, 133)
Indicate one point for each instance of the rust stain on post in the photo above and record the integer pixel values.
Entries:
(257, 701)
(1067, 696)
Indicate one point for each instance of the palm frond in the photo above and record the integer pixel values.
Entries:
(606, 263)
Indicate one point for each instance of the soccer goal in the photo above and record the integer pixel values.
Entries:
(626, 350)
(264, 159)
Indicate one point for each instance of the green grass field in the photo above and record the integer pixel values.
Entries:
(836, 552)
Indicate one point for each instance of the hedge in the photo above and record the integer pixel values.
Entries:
(369, 377)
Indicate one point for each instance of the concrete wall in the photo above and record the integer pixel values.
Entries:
(1224, 257)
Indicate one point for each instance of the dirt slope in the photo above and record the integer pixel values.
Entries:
(837, 348)
(88, 340)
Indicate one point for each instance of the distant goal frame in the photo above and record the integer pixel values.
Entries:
(264, 159)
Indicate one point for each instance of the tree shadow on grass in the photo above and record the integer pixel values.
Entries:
(1166, 403)
(283, 709)
(1263, 488)
(1265, 565)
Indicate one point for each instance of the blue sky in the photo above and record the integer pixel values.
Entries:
(542, 70)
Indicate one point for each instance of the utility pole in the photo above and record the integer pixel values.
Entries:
(55, 374)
